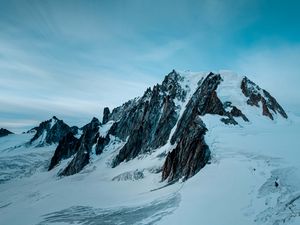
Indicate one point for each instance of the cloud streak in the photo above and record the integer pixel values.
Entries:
(72, 58)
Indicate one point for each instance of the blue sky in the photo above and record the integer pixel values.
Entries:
(72, 58)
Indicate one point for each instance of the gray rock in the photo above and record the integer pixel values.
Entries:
(150, 121)
(52, 131)
(131, 175)
(255, 95)
(190, 155)
(191, 152)
(4, 132)
(106, 113)
(87, 140)
(66, 148)
(101, 143)
(201, 103)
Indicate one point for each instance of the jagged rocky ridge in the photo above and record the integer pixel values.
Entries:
(82, 148)
(168, 113)
(256, 95)
(4, 132)
(67, 147)
(50, 132)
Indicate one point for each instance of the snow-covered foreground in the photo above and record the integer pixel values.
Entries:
(237, 187)
(29, 194)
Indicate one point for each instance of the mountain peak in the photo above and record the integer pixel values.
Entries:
(257, 96)
(54, 118)
(50, 131)
(170, 114)
(4, 132)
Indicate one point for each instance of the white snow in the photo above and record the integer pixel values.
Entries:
(53, 122)
(104, 128)
(41, 140)
(79, 133)
(237, 187)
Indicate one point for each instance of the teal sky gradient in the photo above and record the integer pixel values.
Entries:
(72, 58)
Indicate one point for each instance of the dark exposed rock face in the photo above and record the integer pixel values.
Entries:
(87, 140)
(106, 113)
(125, 118)
(238, 113)
(257, 95)
(190, 155)
(150, 120)
(67, 147)
(203, 101)
(50, 131)
(166, 123)
(82, 148)
(191, 152)
(74, 130)
(101, 143)
(4, 132)
(231, 112)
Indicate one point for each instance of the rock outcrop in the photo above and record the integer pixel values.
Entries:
(201, 102)
(4, 132)
(106, 113)
(50, 132)
(191, 152)
(150, 121)
(87, 140)
(257, 96)
(67, 147)
(101, 143)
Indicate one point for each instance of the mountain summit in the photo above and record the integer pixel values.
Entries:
(50, 131)
(167, 116)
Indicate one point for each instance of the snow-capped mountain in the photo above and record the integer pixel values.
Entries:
(50, 132)
(169, 113)
(179, 154)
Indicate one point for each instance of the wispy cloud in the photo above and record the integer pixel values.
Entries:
(72, 58)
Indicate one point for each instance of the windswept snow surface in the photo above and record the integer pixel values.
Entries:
(91, 197)
(253, 177)
(238, 187)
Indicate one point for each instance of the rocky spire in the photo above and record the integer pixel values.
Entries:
(67, 147)
(50, 132)
(106, 113)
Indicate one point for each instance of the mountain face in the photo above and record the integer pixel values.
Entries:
(82, 147)
(257, 95)
(50, 132)
(169, 114)
(4, 132)
(67, 147)
(227, 134)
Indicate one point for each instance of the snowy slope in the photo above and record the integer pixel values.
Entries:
(237, 187)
